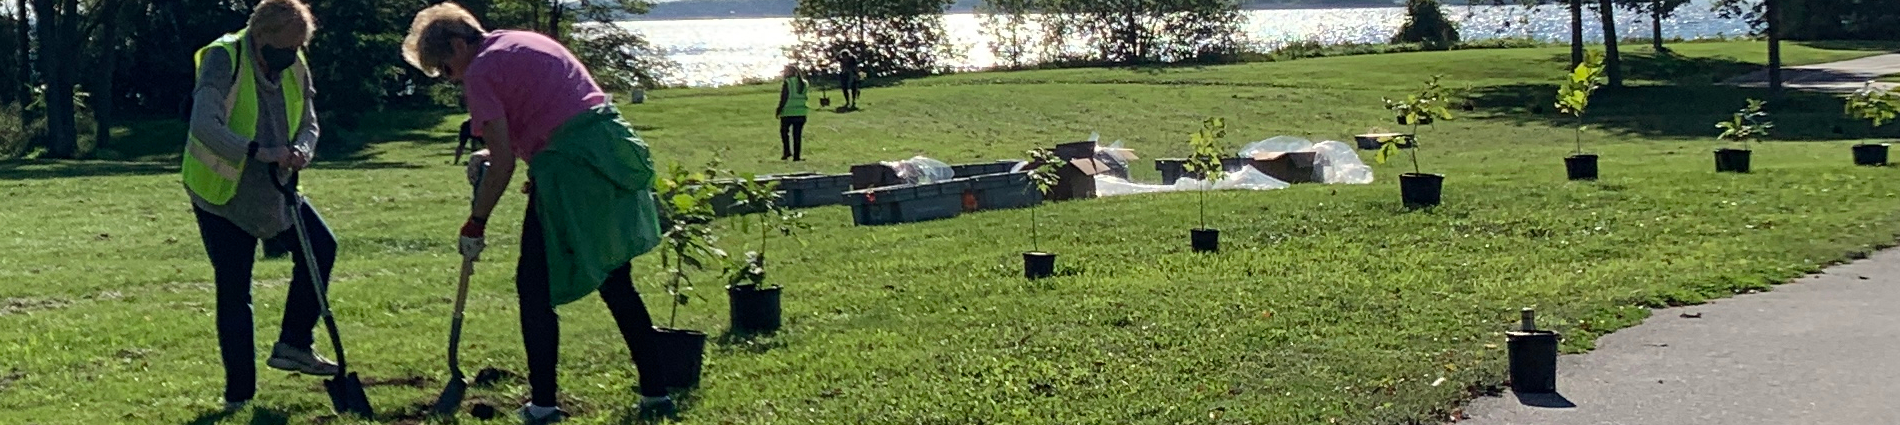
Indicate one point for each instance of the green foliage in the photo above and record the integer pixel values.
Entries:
(1043, 165)
(1426, 23)
(750, 194)
(1043, 177)
(1875, 105)
(1432, 103)
(888, 37)
(686, 216)
(1573, 96)
(1750, 124)
(1115, 32)
(1209, 147)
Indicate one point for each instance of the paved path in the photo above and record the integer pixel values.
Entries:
(1822, 350)
(1836, 77)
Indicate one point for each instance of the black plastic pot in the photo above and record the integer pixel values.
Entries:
(754, 309)
(679, 354)
(1422, 120)
(1421, 190)
(1870, 154)
(1581, 167)
(1037, 265)
(1205, 240)
(1533, 361)
(1731, 160)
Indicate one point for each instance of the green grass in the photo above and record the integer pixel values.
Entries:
(1895, 78)
(1327, 303)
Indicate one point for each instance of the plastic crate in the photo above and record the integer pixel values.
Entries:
(1173, 169)
(815, 190)
(983, 169)
(1004, 191)
(907, 203)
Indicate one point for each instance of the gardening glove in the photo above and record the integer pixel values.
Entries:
(477, 164)
(473, 241)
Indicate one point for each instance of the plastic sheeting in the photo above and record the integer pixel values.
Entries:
(921, 170)
(1245, 179)
(1341, 164)
(1113, 155)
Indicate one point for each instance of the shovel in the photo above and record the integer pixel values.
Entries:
(451, 399)
(346, 390)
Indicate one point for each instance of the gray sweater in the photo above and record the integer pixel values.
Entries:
(257, 207)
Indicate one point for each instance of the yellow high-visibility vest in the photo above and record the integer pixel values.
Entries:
(213, 177)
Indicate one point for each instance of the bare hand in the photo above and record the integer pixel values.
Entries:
(297, 160)
(273, 155)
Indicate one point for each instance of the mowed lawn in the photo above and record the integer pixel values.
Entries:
(1328, 304)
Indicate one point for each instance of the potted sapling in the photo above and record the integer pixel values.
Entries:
(1749, 124)
(686, 246)
(755, 304)
(1879, 107)
(1573, 97)
(1206, 162)
(1043, 165)
(1416, 188)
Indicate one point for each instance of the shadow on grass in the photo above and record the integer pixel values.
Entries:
(152, 145)
(1861, 45)
(747, 342)
(683, 400)
(259, 416)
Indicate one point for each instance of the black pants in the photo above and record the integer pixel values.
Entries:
(233, 253)
(791, 136)
(541, 327)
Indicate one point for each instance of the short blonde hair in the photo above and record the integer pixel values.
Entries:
(273, 17)
(427, 45)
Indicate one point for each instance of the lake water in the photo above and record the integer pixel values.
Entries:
(726, 51)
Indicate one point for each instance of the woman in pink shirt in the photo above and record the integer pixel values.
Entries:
(590, 206)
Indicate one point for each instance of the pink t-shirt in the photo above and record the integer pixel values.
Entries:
(531, 81)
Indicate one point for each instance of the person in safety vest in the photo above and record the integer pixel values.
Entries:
(590, 207)
(251, 110)
(791, 111)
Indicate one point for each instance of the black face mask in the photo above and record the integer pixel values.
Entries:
(277, 58)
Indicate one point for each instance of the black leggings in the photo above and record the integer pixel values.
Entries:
(541, 327)
(791, 136)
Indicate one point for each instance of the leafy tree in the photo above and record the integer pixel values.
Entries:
(888, 37)
(1426, 23)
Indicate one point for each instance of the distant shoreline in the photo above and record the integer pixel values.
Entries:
(706, 17)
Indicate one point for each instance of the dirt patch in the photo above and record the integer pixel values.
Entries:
(413, 381)
(28, 305)
(489, 377)
(8, 379)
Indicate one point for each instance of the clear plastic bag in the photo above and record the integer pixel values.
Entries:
(1245, 179)
(921, 170)
(1339, 163)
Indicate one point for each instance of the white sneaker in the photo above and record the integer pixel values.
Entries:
(305, 361)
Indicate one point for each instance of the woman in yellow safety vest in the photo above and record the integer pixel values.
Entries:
(793, 105)
(251, 111)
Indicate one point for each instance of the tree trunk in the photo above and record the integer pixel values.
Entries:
(1612, 59)
(1576, 33)
(25, 78)
(61, 137)
(102, 93)
(1655, 25)
(554, 20)
(59, 96)
(1772, 14)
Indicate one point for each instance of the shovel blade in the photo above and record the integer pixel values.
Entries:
(451, 399)
(346, 395)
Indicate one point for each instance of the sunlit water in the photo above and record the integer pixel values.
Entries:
(728, 51)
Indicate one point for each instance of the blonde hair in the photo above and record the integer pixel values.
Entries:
(273, 17)
(427, 45)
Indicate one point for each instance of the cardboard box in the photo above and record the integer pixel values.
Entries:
(1290, 167)
(1076, 178)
